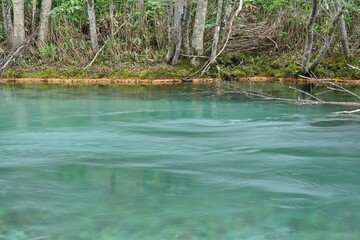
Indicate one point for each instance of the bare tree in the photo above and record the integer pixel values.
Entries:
(171, 30)
(227, 18)
(19, 25)
(44, 21)
(215, 43)
(197, 39)
(186, 27)
(310, 35)
(92, 25)
(176, 18)
(343, 32)
(111, 13)
(329, 37)
(33, 16)
(7, 20)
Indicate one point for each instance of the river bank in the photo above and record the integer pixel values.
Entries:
(167, 81)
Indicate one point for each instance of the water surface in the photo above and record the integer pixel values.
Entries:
(152, 163)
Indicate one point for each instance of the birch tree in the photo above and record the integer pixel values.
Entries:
(44, 21)
(214, 47)
(329, 37)
(343, 33)
(111, 13)
(33, 16)
(310, 35)
(19, 25)
(176, 10)
(197, 39)
(92, 25)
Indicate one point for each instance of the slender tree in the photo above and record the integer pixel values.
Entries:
(215, 43)
(329, 37)
(197, 39)
(343, 33)
(33, 16)
(44, 21)
(92, 25)
(227, 18)
(178, 34)
(111, 13)
(19, 25)
(171, 30)
(186, 27)
(177, 29)
(310, 35)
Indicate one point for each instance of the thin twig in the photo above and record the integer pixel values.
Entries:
(310, 95)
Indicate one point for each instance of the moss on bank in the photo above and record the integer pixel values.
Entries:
(232, 65)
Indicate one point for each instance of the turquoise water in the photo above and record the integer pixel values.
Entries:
(152, 163)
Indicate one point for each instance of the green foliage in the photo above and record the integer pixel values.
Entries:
(70, 9)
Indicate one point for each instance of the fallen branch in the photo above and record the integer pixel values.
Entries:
(306, 93)
(348, 112)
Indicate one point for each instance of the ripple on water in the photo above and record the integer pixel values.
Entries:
(153, 165)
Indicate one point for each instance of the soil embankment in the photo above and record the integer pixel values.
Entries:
(169, 81)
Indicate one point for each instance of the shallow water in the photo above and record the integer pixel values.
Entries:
(151, 163)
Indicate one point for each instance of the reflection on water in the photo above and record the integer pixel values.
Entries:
(113, 163)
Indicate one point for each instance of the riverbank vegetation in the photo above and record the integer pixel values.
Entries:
(155, 38)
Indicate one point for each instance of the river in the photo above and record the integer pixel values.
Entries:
(96, 162)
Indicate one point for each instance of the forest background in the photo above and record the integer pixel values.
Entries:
(133, 38)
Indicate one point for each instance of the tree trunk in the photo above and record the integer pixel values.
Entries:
(343, 33)
(92, 25)
(178, 17)
(7, 20)
(215, 43)
(33, 17)
(329, 37)
(171, 37)
(140, 5)
(227, 18)
(186, 27)
(197, 39)
(111, 13)
(44, 21)
(19, 25)
(309, 36)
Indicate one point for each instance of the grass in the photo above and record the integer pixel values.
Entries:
(265, 64)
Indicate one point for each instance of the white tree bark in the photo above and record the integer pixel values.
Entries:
(178, 17)
(19, 25)
(343, 33)
(171, 30)
(329, 37)
(197, 39)
(309, 36)
(215, 43)
(33, 16)
(111, 13)
(186, 27)
(44, 21)
(92, 25)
